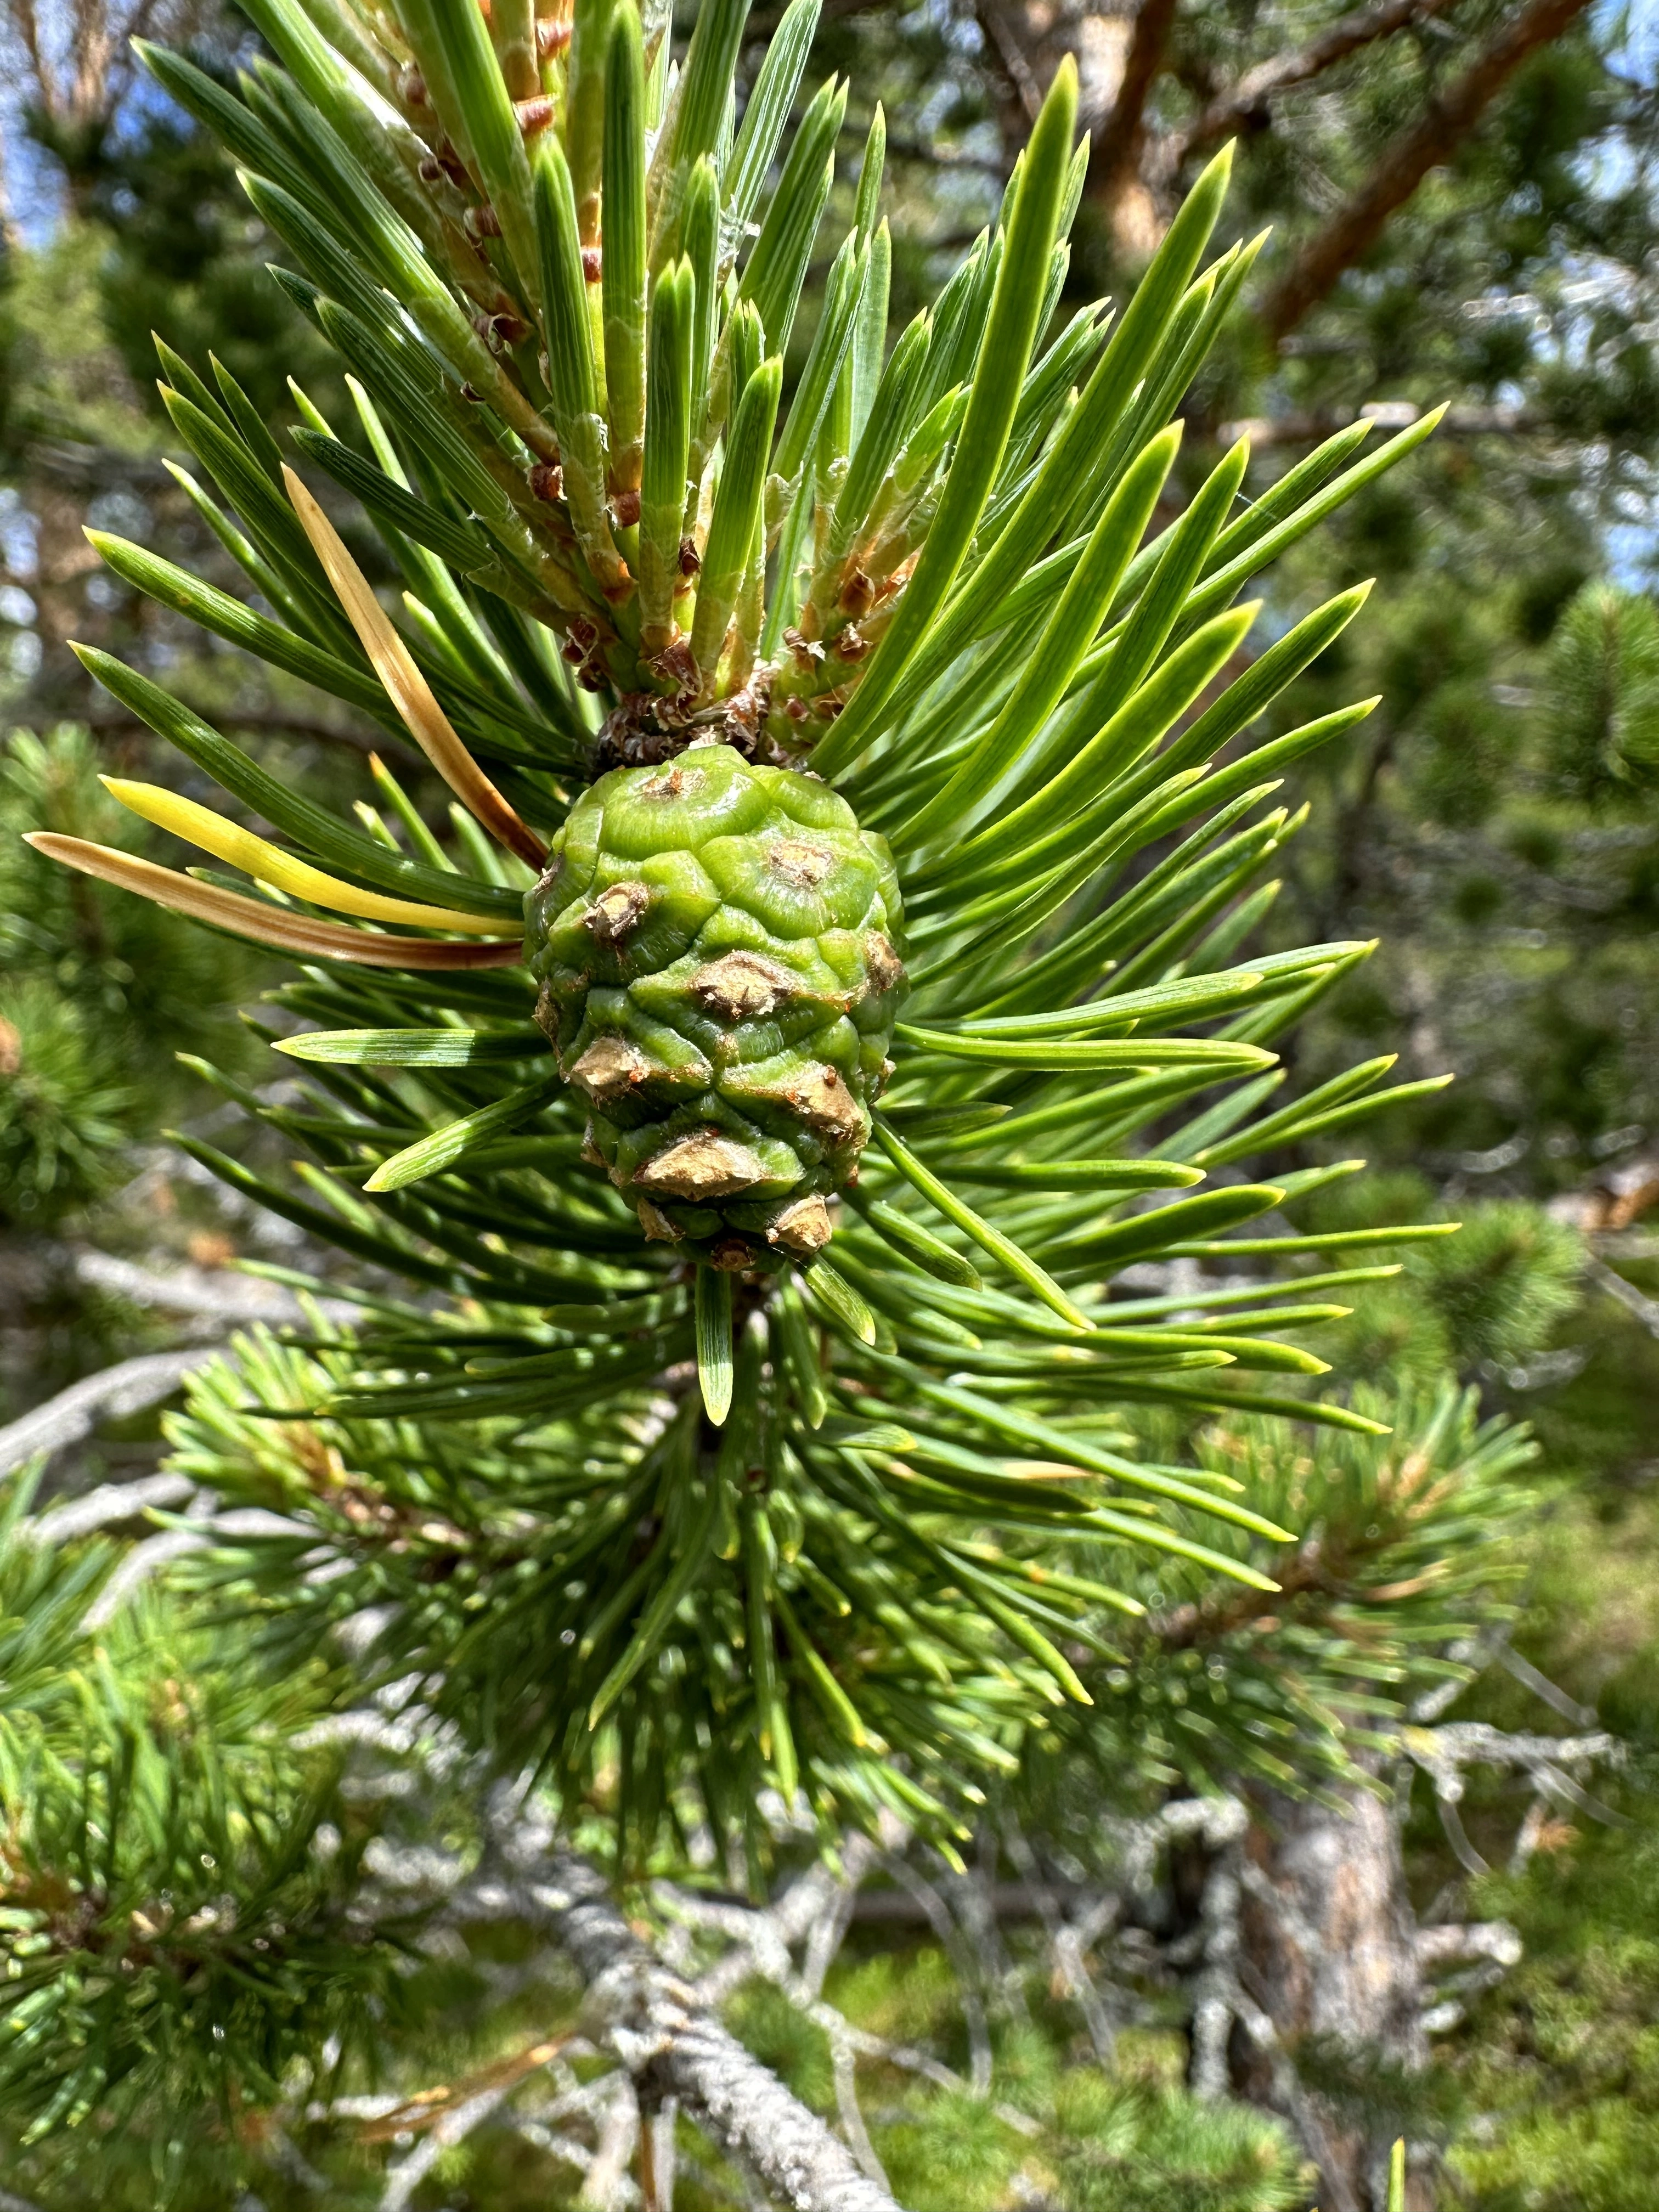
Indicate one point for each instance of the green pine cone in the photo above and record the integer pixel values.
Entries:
(714, 942)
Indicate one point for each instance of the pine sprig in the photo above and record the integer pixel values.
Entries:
(180, 1882)
(833, 1561)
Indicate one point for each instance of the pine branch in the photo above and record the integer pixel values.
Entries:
(207, 1292)
(891, 1651)
(1032, 1900)
(1452, 1943)
(1445, 124)
(220, 1295)
(1444, 1750)
(111, 1502)
(820, 1908)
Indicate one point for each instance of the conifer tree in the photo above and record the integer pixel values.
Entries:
(827, 981)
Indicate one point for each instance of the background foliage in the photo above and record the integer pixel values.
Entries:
(1497, 825)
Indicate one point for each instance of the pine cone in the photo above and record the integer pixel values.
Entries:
(714, 943)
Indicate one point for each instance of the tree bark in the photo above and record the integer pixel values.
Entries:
(1445, 124)
(1328, 1951)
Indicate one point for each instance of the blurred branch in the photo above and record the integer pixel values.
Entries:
(205, 1291)
(1457, 1744)
(126, 1389)
(818, 1908)
(278, 723)
(1265, 431)
(209, 1292)
(77, 64)
(936, 156)
(1243, 106)
(1645, 1310)
(1448, 120)
(1443, 1753)
(108, 1503)
(763, 24)
(1452, 1943)
(93, 468)
(1114, 156)
(1033, 1899)
(1005, 41)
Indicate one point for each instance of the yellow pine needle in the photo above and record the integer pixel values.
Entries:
(284, 871)
(266, 925)
(407, 689)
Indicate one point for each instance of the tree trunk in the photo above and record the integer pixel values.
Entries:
(1328, 1952)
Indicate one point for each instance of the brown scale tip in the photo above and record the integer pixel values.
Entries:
(703, 1165)
(741, 986)
(804, 1228)
(824, 1103)
(615, 912)
(659, 1229)
(882, 964)
(801, 862)
(609, 1069)
(857, 594)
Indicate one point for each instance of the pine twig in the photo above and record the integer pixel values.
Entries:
(940, 1919)
(994, 20)
(208, 1292)
(1065, 1944)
